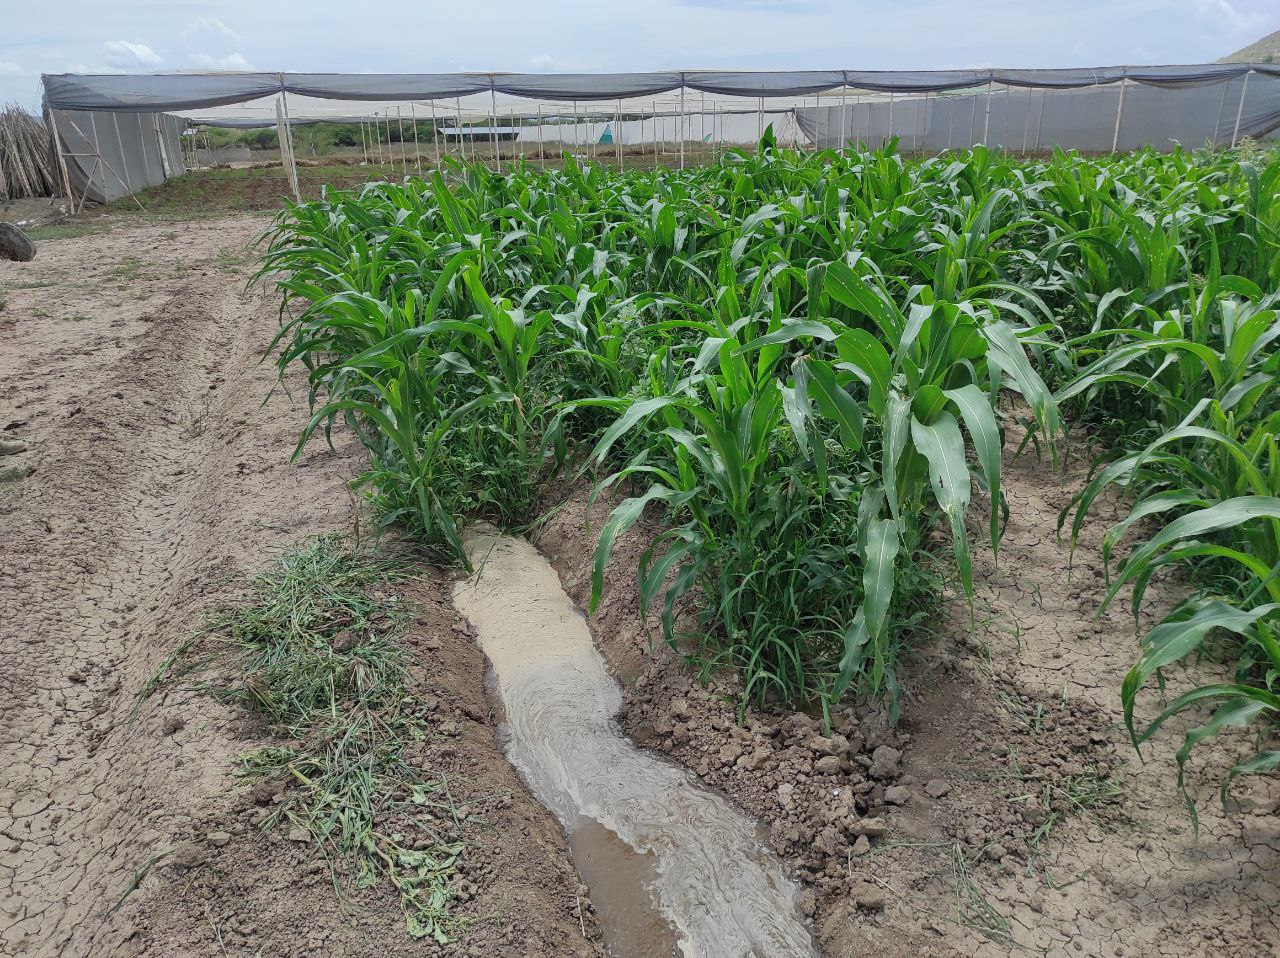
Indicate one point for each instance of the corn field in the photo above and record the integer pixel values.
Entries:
(809, 365)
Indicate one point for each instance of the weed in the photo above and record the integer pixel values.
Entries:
(314, 653)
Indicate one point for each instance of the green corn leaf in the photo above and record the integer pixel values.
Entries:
(942, 445)
(975, 410)
(1172, 641)
(835, 403)
(1223, 515)
(623, 517)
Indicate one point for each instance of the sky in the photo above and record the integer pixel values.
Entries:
(548, 36)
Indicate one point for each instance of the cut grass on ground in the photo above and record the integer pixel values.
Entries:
(314, 651)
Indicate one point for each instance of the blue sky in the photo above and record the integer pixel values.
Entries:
(576, 35)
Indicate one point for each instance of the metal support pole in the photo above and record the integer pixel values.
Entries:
(1044, 94)
(404, 159)
(986, 123)
(1026, 123)
(617, 134)
(924, 128)
(682, 127)
(462, 151)
(493, 119)
(417, 148)
(655, 133)
(1115, 136)
(892, 101)
(542, 150)
(435, 135)
(702, 125)
(1235, 134)
(760, 123)
(844, 110)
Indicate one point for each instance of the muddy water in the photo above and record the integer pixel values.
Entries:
(673, 869)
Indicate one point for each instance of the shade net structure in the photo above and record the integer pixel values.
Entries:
(134, 120)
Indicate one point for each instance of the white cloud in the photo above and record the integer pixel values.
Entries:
(10, 69)
(1226, 13)
(232, 61)
(210, 25)
(124, 55)
(546, 63)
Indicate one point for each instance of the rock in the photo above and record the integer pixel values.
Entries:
(897, 795)
(994, 852)
(14, 473)
(11, 447)
(862, 845)
(820, 745)
(884, 762)
(186, 858)
(299, 834)
(828, 765)
(869, 896)
(264, 791)
(936, 788)
(15, 244)
(808, 902)
(218, 839)
(172, 724)
(730, 752)
(871, 827)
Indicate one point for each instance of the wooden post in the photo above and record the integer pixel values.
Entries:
(404, 158)
(1115, 136)
(1044, 96)
(435, 135)
(417, 149)
(1222, 103)
(986, 123)
(286, 142)
(62, 161)
(493, 130)
(844, 110)
(1235, 134)
(1026, 123)
(655, 133)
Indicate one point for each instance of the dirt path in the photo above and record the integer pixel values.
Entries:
(129, 364)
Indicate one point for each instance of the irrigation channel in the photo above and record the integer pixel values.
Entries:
(673, 869)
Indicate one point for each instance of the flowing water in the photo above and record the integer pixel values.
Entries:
(673, 869)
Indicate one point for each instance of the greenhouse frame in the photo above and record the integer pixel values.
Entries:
(117, 134)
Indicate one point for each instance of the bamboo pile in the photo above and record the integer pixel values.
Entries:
(28, 164)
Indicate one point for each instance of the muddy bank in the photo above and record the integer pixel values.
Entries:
(154, 483)
(1007, 811)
